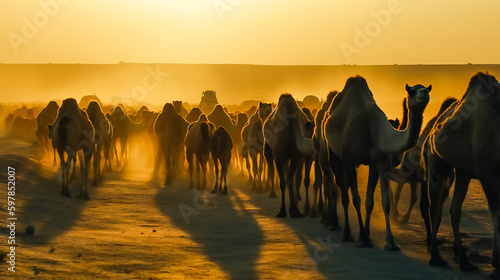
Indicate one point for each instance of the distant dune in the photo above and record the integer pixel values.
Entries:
(159, 83)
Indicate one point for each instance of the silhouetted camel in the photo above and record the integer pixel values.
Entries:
(197, 144)
(221, 145)
(47, 116)
(102, 139)
(73, 133)
(464, 139)
(358, 132)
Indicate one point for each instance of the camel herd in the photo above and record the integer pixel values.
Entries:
(458, 144)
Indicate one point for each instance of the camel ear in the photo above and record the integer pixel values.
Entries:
(429, 88)
(260, 103)
(407, 87)
(50, 127)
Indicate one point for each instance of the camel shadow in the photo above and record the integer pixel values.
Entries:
(331, 257)
(216, 223)
(38, 201)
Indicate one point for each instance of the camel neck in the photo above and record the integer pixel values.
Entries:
(415, 120)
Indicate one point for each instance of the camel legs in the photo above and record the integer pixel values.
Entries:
(350, 171)
(298, 179)
(189, 157)
(318, 181)
(166, 158)
(307, 182)
(203, 162)
(97, 165)
(384, 169)
(255, 168)
(331, 192)
(281, 174)
(249, 169)
(490, 188)
(461, 187)
(65, 167)
(216, 165)
(224, 168)
(369, 202)
(413, 200)
(438, 192)
(292, 169)
(395, 200)
(268, 153)
(85, 158)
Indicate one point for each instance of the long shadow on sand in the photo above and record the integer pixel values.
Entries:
(38, 202)
(217, 224)
(334, 259)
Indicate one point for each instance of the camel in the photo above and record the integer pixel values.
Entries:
(358, 132)
(123, 128)
(241, 120)
(221, 145)
(285, 144)
(197, 143)
(410, 172)
(469, 126)
(102, 140)
(45, 117)
(193, 115)
(306, 164)
(171, 128)
(180, 109)
(253, 145)
(322, 169)
(73, 133)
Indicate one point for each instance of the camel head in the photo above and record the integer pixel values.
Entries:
(264, 110)
(93, 106)
(53, 104)
(418, 97)
(168, 108)
(242, 120)
(202, 118)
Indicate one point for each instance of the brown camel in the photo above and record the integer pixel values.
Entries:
(410, 172)
(285, 144)
(197, 143)
(323, 174)
(123, 129)
(241, 120)
(221, 145)
(253, 145)
(73, 133)
(45, 117)
(305, 164)
(171, 128)
(465, 139)
(193, 115)
(180, 109)
(102, 140)
(357, 132)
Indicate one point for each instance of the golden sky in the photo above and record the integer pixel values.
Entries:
(279, 32)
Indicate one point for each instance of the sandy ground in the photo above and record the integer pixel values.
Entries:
(134, 228)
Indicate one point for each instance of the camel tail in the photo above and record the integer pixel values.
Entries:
(62, 131)
(205, 133)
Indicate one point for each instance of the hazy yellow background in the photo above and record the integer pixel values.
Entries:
(252, 31)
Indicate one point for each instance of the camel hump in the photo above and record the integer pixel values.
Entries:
(446, 104)
(205, 133)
